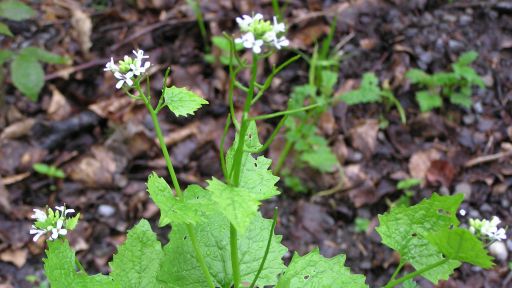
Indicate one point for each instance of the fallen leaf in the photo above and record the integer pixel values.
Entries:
(59, 108)
(17, 257)
(419, 163)
(440, 171)
(364, 137)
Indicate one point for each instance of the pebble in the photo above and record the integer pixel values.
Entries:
(355, 156)
(465, 20)
(478, 107)
(469, 119)
(499, 250)
(455, 45)
(486, 208)
(463, 188)
(106, 210)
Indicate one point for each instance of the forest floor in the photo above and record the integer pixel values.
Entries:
(105, 143)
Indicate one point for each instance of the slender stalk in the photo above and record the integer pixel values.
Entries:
(282, 157)
(267, 249)
(394, 283)
(200, 22)
(237, 167)
(277, 11)
(273, 135)
(222, 156)
(235, 264)
(397, 270)
(179, 192)
(281, 113)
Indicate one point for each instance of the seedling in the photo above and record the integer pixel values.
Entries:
(361, 224)
(405, 187)
(218, 236)
(49, 170)
(370, 92)
(456, 85)
(302, 137)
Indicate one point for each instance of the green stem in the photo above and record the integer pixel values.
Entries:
(281, 113)
(237, 167)
(200, 22)
(282, 157)
(267, 249)
(222, 157)
(172, 173)
(397, 270)
(271, 77)
(235, 265)
(394, 283)
(273, 135)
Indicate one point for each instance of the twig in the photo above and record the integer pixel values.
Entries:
(487, 158)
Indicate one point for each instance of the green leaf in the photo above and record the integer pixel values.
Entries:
(445, 79)
(256, 177)
(16, 10)
(45, 56)
(314, 270)
(4, 56)
(409, 284)
(467, 58)
(172, 210)
(224, 44)
(368, 92)
(462, 99)
(137, 261)
(236, 203)
(49, 170)
(408, 183)
(60, 269)
(71, 222)
(417, 76)
(404, 229)
(27, 75)
(459, 244)
(4, 30)
(329, 79)
(182, 101)
(299, 95)
(294, 183)
(428, 101)
(320, 158)
(180, 269)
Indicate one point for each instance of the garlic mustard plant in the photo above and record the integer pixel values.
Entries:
(53, 223)
(219, 237)
(487, 229)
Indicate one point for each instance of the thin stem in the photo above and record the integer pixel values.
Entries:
(231, 88)
(273, 135)
(222, 156)
(393, 283)
(235, 265)
(172, 173)
(268, 81)
(267, 249)
(282, 157)
(237, 167)
(281, 113)
(200, 22)
(397, 270)
(277, 11)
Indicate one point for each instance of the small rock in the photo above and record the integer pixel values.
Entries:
(449, 18)
(106, 210)
(463, 188)
(444, 191)
(465, 20)
(478, 107)
(486, 208)
(455, 45)
(499, 250)
(355, 156)
(469, 119)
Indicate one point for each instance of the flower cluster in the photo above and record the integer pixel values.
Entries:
(486, 228)
(54, 223)
(258, 32)
(127, 68)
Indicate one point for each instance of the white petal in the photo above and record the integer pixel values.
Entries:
(59, 223)
(462, 212)
(119, 84)
(37, 236)
(55, 234)
(129, 82)
(258, 16)
(118, 75)
(63, 231)
(69, 211)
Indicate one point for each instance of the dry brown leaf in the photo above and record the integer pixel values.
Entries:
(364, 137)
(59, 108)
(17, 257)
(5, 206)
(82, 28)
(18, 129)
(419, 163)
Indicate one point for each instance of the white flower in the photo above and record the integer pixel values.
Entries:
(38, 232)
(462, 212)
(278, 27)
(246, 21)
(64, 210)
(281, 42)
(111, 66)
(123, 78)
(497, 234)
(57, 230)
(250, 42)
(138, 68)
(139, 54)
(39, 215)
(490, 227)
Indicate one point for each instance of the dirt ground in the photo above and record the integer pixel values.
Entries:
(105, 142)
